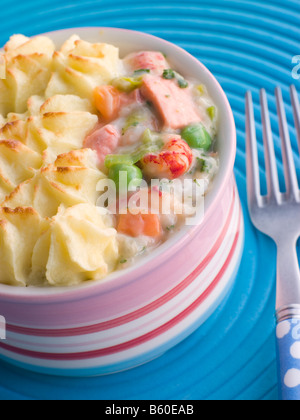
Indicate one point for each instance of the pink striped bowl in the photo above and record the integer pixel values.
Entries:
(137, 314)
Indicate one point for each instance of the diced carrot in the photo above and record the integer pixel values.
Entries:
(152, 225)
(107, 100)
(139, 224)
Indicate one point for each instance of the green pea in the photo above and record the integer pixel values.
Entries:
(134, 175)
(196, 136)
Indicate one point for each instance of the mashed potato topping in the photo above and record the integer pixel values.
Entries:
(68, 119)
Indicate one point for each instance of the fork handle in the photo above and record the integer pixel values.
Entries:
(288, 319)
(288, 348)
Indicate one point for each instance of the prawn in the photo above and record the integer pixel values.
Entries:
(174, 160)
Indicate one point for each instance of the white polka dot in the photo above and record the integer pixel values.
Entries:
(295, 350)
(283, 328)
(292, 378)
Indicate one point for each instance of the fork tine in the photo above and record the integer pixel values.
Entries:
(270, 158)
(291, 181)
(296, 111)
(253, 184)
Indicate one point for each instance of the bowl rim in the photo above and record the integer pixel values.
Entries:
(173, 244)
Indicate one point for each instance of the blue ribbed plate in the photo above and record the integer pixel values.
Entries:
(247, 45)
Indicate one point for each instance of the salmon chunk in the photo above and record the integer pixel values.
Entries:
(104, 141)
(174, 104)
(150, 60)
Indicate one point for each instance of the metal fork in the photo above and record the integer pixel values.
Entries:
(277, 215)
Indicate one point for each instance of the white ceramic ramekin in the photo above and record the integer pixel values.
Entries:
(137, 314)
